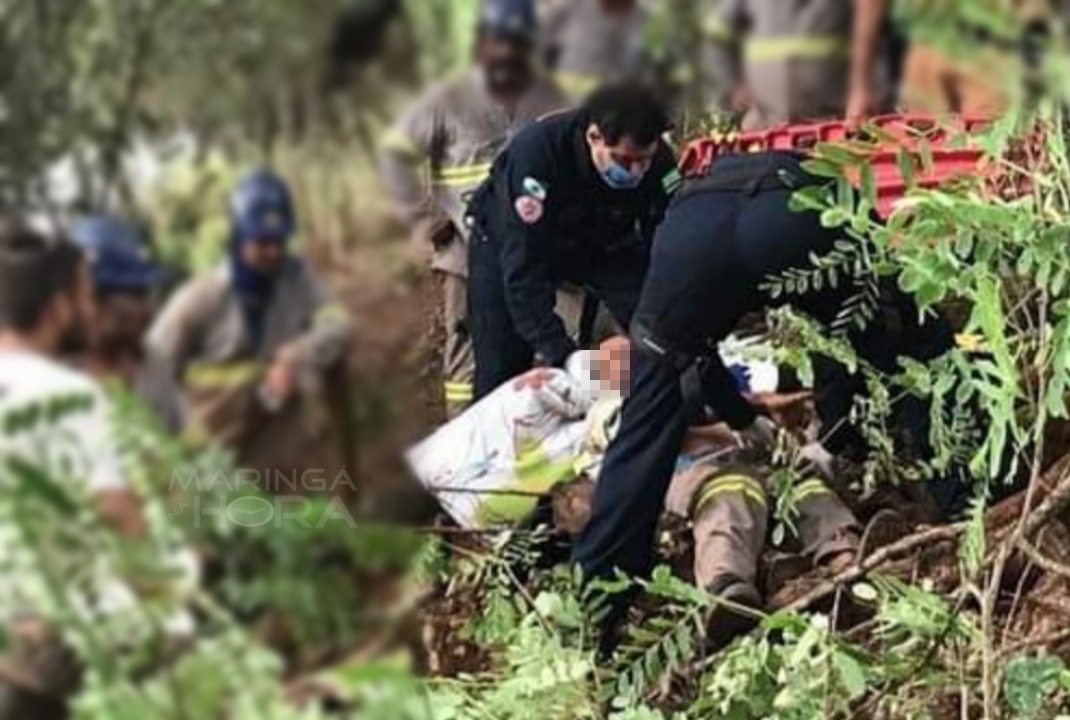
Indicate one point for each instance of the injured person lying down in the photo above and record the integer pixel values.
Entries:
(549, 429)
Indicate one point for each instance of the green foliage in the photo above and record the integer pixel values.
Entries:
(1032, 680)
(124, 605)
(664, 643)
(446, 30)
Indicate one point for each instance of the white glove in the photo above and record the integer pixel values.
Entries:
(818, 458)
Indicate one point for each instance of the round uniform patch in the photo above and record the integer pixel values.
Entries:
(534, 188)
(529, 209)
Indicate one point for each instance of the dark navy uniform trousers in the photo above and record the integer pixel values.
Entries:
(722, 238)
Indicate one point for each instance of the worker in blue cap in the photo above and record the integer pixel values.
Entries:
(254, 341)
(455, 131)
(125, 280)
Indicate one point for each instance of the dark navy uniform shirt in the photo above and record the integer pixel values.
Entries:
(551, 217)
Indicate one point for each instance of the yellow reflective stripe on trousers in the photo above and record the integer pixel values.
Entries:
(787, 48)
(399, 143)
(461, 175)
(459, 392)
(208, 375)
(811, 487)
(731, 484)
(329, 313)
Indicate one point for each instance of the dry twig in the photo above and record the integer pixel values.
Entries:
(1042, 561)
(874, 561)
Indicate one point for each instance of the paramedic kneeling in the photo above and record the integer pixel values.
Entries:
(574, 198)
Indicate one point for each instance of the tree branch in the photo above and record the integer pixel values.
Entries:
(1042, 561)
(874, 561)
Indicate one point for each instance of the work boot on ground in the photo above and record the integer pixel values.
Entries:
(737, 612)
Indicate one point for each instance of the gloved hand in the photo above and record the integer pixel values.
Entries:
(742, 375)
(815, 458)
(761, 435)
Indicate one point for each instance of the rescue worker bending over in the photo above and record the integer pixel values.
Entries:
(456, 130)
(782, 62)
(723, 490)
(254, 341)
(124, 280)
(725, 235)
(590, 43)
(574, 198)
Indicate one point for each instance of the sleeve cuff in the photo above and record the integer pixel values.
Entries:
(555, 355)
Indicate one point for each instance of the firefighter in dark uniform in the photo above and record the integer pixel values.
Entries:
(574, 198)
(724, 236)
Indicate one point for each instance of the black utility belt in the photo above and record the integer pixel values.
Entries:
(745, 180)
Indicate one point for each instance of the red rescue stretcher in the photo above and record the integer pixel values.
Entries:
(940, 150)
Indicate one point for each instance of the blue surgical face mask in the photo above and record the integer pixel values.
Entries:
(619, 177)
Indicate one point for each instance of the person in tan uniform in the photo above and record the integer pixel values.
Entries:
(934, 80)
(124, 280)
(258, 344)
(781, 62)
(441, 150)
(593, 42)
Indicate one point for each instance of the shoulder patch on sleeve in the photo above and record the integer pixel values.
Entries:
(535, 189)
(529, 209)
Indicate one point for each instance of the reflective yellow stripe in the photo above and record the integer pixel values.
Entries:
(582, 463)
(463, 171)
(399, 143)
(459, 393)
(461, 181)
(536, 472)
(810, 488)
(461, 175)
(329, 313)
(204, 374)
(739, 484)
(718, 29)
(787, 48)
(577, 84)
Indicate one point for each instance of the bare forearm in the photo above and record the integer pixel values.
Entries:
(868, 17)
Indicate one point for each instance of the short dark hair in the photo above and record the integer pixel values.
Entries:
(34, 271)
(628, 110)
